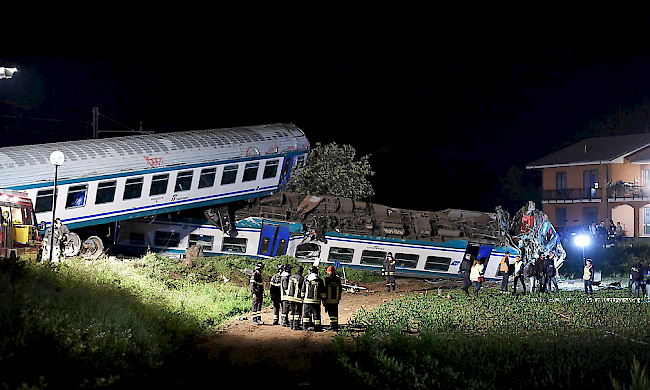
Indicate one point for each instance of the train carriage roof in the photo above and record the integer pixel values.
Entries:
(29, 165)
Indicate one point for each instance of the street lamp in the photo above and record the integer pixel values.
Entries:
(56, 158)
(7, 73)
(582, 241)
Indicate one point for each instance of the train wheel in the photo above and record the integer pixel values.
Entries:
(72, 245)
(92, 248)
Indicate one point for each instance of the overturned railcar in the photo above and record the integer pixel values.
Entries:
(104, 181)
(334, 230)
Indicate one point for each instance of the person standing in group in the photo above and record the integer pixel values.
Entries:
(388, 270)
(532, 271)
(333, 290)
(257, 289)
(284, 294)
(476, 275)
(636, 276)
(276, 294)
(313, 291)
(465, 269)
(588, 277)
(551, 274)
(504, 271)
(541, 265)
(294, 295)
(519, 275)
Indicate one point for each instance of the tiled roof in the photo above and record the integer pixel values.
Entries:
(599, 150)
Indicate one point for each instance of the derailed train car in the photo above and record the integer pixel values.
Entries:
(334, 230)
(105, 181)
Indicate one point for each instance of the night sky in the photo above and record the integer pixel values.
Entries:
(446, 105)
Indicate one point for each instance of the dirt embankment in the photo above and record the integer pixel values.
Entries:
(266, 354)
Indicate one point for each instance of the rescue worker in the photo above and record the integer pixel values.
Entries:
(519, 275)
(636, 276)
(276, 295)
(388, 270)
(313, 291)
(465, 268)
(60, 237)
(294, 295)
(257, 289)
(504, 268)
(551, 273)
(284, 294)
(333, 290)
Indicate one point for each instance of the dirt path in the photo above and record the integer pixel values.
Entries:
(262, 354)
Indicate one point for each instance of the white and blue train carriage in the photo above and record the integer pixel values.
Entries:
(264, 238)
(115, 179)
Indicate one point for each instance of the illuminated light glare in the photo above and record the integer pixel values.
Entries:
(582, 241)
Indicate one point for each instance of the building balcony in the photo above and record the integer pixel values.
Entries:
(576, 195)
(625, 192)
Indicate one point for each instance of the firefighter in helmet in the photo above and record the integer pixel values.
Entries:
(294, 295)
(284, 294)
(332, 298)
(276, 296)
(257, 289)
(313, 290)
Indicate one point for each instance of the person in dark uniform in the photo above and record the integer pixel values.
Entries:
(257, 289)
(284, 294)
(388, 270)
(333, 291)
(294, 295)
(313, 291)
(465, 268)
(276, 295)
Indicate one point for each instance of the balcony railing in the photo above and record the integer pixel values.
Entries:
(628, 192)
(572, 195)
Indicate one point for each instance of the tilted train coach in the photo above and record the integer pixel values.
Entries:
(103, 181)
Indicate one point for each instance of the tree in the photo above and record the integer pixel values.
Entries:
(333, 170)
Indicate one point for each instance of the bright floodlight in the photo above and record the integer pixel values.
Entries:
(56, 158)
(7, 73)
(582, 241)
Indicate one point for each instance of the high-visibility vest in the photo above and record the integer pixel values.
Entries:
(504, 264)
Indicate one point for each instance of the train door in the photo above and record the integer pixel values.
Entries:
(286, 170)
(479, 251)
(273, 240)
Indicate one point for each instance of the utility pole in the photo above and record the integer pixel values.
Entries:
(96, 131)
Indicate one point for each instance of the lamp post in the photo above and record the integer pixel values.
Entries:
(582, 241)
(56, 158)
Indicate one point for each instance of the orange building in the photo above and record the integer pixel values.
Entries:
(598, 179)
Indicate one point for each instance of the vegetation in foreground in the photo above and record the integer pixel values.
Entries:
(84, 324)
(499, 342)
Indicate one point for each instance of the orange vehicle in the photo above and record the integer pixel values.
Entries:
(18, 225)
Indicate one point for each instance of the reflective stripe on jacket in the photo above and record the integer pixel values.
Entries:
(294, 293)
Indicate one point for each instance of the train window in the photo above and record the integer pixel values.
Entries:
(343, 255)
(105, 192)
(201, 240)
(436, 263)
(300, 161)
(133, 188)
(183, 181)
(270, 169)
(230, 244)
(207, 177)
(309, 250)
(166, 239)
(264, 246)
(76, 196)
(44, 200)
(159, 184)
(406, 260)
(250, 171)
(136, 238)
(373, 257)
(229, 174)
